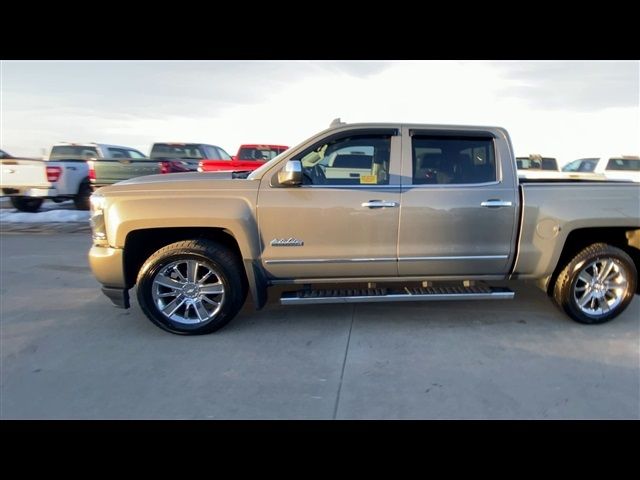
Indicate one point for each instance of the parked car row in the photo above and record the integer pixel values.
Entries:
(73, 170)
(613, 167)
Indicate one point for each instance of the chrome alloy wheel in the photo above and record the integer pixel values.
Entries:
(600, 287)
(188, 292)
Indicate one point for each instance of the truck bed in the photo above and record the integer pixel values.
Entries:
(553, 208)
(23, 172)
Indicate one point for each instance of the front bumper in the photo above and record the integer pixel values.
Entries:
(107, 265)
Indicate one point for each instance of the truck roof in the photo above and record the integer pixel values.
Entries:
(262, 145)
(89, 144)
(417, 126)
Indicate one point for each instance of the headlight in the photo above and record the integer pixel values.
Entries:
(98, 228)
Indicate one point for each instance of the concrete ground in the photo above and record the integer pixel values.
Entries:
(66, 353)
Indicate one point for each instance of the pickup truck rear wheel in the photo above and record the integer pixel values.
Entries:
(81, 200)
(27, 204)
(597, 285)
(191, 287)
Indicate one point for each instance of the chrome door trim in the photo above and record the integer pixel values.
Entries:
(457, 257)
(329, 260)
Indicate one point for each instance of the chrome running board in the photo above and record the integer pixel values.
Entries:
(406, 294)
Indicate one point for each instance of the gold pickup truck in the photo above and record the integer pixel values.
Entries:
(387, 212)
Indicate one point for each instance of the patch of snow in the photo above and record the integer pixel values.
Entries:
(50, 216)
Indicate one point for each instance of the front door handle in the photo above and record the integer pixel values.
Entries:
(379, 204)
(494, 203)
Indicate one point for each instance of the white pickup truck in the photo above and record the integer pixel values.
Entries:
(64, 176)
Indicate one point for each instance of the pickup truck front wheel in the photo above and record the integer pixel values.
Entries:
(597, 285)
(27, 204)
(191, 287)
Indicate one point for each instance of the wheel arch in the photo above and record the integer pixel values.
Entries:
(141, 244)
(624, 238)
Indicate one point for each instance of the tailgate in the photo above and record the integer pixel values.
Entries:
(23, 173)
(110, 171)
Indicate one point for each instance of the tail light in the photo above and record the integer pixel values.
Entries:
(53, 173)
(165, 167)
(92, 171)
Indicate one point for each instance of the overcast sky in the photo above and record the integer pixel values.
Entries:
(566, 109)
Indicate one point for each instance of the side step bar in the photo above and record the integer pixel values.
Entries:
(406, 294)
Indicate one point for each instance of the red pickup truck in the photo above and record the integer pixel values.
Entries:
(249, 157)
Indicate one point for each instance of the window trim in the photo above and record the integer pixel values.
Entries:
(390, 132)
(454, 133)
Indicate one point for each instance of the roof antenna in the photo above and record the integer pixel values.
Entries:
(336, 123)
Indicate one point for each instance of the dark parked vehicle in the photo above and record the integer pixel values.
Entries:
(186, 157)
(121, 164)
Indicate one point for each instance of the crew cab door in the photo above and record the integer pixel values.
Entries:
(343, 220)
(459, 204)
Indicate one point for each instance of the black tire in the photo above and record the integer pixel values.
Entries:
(81, 200)
(212, 255)
(27, 204)
(563, 291)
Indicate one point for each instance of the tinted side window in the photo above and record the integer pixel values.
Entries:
(223, 155)
(623, 164)
(135, 154)
(549, 164)
(444, 160)
(354, 160)
(117, 153)
(211, 152)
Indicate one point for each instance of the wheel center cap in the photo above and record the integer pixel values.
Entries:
(190, 290)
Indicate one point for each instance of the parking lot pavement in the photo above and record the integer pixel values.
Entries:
(67, 353)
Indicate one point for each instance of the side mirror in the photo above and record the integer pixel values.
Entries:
(291, 174)
(234, 158)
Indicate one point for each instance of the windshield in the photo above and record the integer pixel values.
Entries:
(259, 153)
(582, 165)
(176, 150)
(77, 152)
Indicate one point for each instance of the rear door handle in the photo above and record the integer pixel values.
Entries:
(494, 203)
(379, 204)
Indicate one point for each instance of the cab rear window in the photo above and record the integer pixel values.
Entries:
(73, 152)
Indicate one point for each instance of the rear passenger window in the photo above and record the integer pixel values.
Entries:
(446, 160)
(117, 153)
